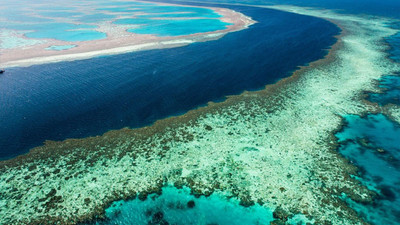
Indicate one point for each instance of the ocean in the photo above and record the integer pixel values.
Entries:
(89, 97)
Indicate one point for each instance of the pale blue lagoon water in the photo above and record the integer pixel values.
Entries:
(179, 27)
(124, 10)
(180, 207)
(58, 14)
(65, 32)
(83, 98)
(170, 27)
(185, 14)
(200, 12)
(95, 18)
(29, 16)
(123, 3)
(58, 31)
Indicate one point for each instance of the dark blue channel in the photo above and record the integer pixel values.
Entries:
(89, 97)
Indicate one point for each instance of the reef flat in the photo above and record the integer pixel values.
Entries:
(33, 33)
(274, 147)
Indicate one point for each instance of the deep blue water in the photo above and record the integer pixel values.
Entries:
(387, 8)
(89, 97)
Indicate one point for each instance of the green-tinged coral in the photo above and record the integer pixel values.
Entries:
(274, 147)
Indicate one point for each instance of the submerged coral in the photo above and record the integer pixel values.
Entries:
(274, 147)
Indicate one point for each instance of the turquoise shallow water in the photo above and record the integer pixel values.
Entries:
(57, 22)
(362, 141)
(390, 93)
(179, 207)
(66, 32)
(58, 14)
(170, 27)
(94, 18)
(179, 27)
(59, 31)
(373, 144)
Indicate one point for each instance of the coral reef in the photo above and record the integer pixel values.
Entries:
(275, 146)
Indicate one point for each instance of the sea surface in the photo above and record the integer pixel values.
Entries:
(179, 206)
(371, 142)
(81, 20)
(89, 97)
(388, 8)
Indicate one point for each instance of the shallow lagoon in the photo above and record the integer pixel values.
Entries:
(178, 27)
(387, 193)
(44, 22)
(178, 206)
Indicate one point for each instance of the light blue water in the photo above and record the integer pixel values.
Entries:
(58, 14)
(391, 91)
(179, 207)
(179, 27)
(95, 18)
(62, 8)
(160, 11)
(201, 12)
(25, 15)
(59, 31)
(119, 10)
(66, 32)
(185, 14)
(373, 144)
(168, 27)
(123, 3)
(80, 106)
(136, 21)
(20, 16)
